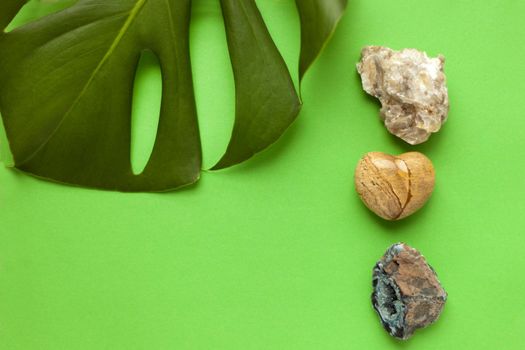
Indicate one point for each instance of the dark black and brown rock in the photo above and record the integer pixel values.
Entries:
(407, 294)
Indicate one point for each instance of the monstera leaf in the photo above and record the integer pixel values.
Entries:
(66, 87)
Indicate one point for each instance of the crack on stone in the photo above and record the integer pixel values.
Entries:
(380, 175)
(409, 195)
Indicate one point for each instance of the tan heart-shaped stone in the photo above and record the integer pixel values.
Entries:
(394, 187)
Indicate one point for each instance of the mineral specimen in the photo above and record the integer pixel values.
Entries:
(407, 294)
(411, 87)
(394, 187)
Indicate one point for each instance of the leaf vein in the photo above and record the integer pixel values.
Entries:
(131, 17)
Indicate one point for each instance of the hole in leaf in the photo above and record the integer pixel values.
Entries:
(213, 79)
(147, 100)
(282, 20)
(36, 9)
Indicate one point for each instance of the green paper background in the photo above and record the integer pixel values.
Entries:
(277, 253)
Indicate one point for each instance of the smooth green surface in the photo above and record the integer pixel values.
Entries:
(277, 253)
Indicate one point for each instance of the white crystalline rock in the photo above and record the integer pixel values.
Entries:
(411, 87)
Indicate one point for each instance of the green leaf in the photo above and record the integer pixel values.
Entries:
(67, 96)
(319, 18)
(67, 88)
(8, 10)
(266, 100)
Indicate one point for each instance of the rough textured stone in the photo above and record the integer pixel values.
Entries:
(407, 294)
(394, 187)
(411, 87)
